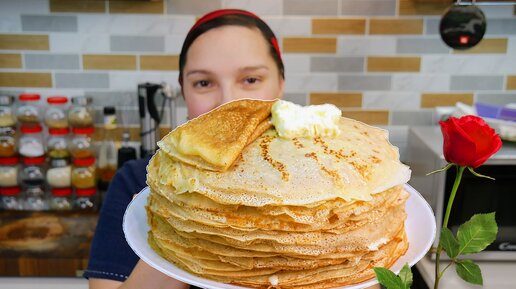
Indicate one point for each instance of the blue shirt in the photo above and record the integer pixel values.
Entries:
(110, 255)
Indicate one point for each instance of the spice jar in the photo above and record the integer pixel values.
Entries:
(30, 143)
(7, 117)
(59, 175)
(81, 146)
(80, 113)
(28, 110)
(34, 198)
(7, 141)
(57, 143)
(55, 116)
(8, 172)
(10, 198)
(83, 173)
(86, 199)
(61, 199)
(32, 171)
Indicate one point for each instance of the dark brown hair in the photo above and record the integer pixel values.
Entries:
(230, 17)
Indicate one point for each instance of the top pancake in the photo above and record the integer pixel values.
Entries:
(272, 170)
(214, 140)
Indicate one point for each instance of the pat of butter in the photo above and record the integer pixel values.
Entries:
(292, 120)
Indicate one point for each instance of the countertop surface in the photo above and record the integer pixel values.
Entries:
(496, 275)
(433, 138)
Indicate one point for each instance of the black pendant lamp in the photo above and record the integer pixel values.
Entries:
(463, 26)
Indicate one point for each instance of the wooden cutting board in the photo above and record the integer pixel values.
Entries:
(45, 244)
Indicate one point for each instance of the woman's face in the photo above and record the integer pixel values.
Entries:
(228, 63)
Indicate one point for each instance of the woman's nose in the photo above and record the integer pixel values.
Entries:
(229, 93)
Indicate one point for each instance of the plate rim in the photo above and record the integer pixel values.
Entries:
(191, 278)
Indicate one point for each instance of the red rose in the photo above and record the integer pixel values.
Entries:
(469, 141)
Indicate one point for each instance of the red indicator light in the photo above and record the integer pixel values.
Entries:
(464, 39)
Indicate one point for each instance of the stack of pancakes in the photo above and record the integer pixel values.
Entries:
(234, 202)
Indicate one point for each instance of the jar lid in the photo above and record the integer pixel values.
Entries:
(6, 99)
(61, 192)
(33, 161)
(57, 100)
(81, 100)
(10, 191)
(86, 192)
(58, 162)
(58, 131)
(84, 162)
(9, 161)
(29, 97)
(83, 130)
(31, 129)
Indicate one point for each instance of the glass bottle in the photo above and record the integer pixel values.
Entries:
(33, 171)
(59, 174)
(55, 116)
(86, 199)
(107, 160)
(28, 109)
(61, 199)
(10, 198)
(81, 145)
(84, 173)
(35, 198)
(7, 141)
(30, 143)
(7, 117)
(57, 143)
(80, 113)
(9, 172)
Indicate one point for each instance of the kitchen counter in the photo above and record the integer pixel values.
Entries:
(45, 244)
(433, 138)
(496, 275)
(43, 283)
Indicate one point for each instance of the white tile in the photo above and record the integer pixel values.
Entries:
(173, 43)
(363, 46)
(391, 100)
(289, 26)
(79, 43)
(135, 24)
(470, 64)
(298, 82)
(130, 80)
(296, 63)
(262, 7)
(23, 6)
(497, 11)
(397, 133)
(511, 46)
(10, 23)
(415, 82)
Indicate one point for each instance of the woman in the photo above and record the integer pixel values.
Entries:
(228, 54)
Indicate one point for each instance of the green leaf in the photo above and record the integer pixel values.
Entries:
(469, 271)
(406, 276)
(388, 278)
(477, 233)
(449, 243)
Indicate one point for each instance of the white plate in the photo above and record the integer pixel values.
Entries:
(420, 228)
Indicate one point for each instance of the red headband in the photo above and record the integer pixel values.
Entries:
(221, 12)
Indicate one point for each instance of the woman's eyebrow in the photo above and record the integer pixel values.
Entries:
(252, 68)
(195, 71)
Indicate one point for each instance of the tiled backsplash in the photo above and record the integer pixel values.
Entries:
(381, 61)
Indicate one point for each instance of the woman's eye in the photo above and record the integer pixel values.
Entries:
(251, 80)
(202, 83)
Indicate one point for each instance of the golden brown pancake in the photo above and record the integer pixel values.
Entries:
(214, 140)
(233, 202)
